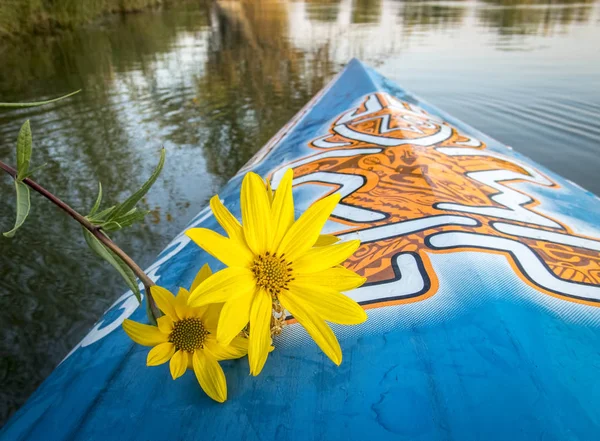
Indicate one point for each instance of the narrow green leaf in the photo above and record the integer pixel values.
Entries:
(132, 217)
(23, 150)
(100, 217)
(98, 200)
(23, 206)
(106, 254)
(39, 103)
(130, 202)
(35, 169)
(112, 226)
(149, 312)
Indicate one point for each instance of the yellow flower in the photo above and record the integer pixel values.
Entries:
(273, 260)
(186, 336)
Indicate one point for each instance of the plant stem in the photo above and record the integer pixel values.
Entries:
(95, 230)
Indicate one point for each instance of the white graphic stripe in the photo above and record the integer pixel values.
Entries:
(399, 105)
(506, 196)
(548, 236)
(411, 282)
(530, 263)
(472, 142)
(331, 154)
(324, 144)
(348, 185)
(407, 227)
(459, 151)
(444, 133)
(372, 105)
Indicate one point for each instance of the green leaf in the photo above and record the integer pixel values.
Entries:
(39, 103)
(129, 204)
(23, 206)
(100, 217)
(126, 220)
(149, 312)
(35, 169)
(98, 200)
(23, 150)
(111, 226)
(106, 254)
(132, 217)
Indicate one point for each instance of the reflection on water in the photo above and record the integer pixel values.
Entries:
(213, 82)
(366, 11)
(535, 16)
(432, 14)
(254, 80)
(326, 11)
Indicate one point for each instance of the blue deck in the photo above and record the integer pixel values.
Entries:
(486, 356)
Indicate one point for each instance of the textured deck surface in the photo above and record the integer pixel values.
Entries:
(483, 285)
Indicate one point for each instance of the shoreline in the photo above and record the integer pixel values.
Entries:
(32, 17)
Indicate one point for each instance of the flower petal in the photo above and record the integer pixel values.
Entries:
(316, 328)
(227, 220)
(223, 286)
(282, 212)
(339, 278)
(145, 335)
(210, 376)
(182, 294)
(178, 364)
(326, 239)
(269, 191)
(181, 307)
(165, 324)
(160, 354)
(321, 258)
(260, 331)
(256, 213)
(204, 273)
(303, 234)
(164, 300)
(209, 314)
(228, 251)
(236, 349)
(328, 303)
(234, 316)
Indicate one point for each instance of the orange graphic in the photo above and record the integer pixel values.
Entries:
(412, 179)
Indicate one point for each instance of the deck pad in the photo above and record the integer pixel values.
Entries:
(483, 288)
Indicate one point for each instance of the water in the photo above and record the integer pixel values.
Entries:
(212, 83)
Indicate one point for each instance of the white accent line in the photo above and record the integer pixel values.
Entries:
(356, 214)
(324, 144)
(372, 105)
(331, 154)
(506, 196)
(472, 142)
(384, 127)
(444, 133)
(410, 283)
(397, 104)
(349, 184)
(460, 151)
(527, 259)
(406, 227)
(548, 236)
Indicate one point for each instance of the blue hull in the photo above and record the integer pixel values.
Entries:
(483, 291)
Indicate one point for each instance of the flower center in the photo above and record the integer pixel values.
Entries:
(272, 273)
(188, 334)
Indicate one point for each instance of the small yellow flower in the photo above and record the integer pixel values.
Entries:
(186, 336)
(273, 260)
